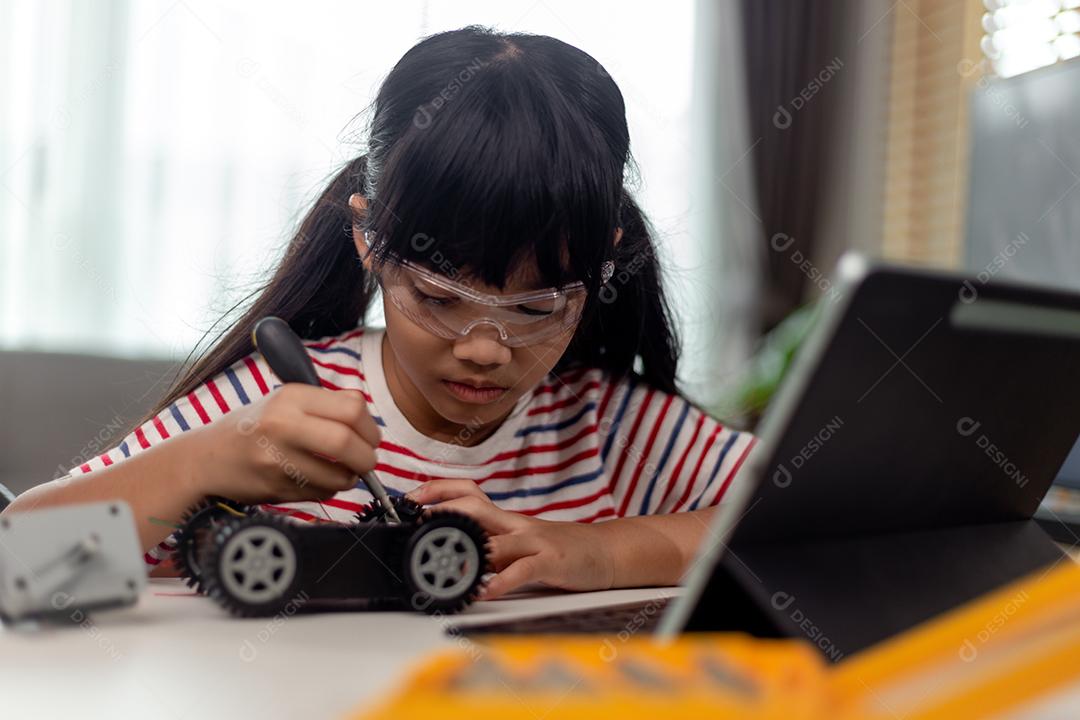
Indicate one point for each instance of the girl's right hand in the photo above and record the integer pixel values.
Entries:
(297, 443)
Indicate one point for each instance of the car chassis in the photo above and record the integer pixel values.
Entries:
(254, 563)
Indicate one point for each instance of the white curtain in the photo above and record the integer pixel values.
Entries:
(154, 155)
(724, 222)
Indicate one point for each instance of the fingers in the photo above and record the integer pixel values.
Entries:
(309, 493)
(503, 550)
(345, 406)
(491, 518)
(521, 572)
(437, 491)
(336, 441)
(312, 477)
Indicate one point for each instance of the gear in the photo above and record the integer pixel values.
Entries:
(407, 510)
(196, 529)
(445, 562)
(372, 512)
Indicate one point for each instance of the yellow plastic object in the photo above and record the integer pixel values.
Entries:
(592, 677)
(1000, 652)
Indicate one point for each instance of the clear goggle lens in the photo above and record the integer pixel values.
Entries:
(451, 310)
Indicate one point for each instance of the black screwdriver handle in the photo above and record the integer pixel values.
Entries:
(287, 357)
(284, 351)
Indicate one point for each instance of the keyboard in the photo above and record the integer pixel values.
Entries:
(635, 617)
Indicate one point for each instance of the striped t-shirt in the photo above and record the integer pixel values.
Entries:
(580, 447)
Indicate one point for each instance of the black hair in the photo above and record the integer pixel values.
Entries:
(485, 150)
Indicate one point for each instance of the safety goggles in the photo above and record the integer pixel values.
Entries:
(451, 309)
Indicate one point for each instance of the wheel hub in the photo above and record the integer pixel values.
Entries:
(445, 562)
(258, 564)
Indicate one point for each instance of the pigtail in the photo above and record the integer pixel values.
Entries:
(629, 317)
(320, 288)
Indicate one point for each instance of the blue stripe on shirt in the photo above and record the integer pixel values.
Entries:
(341, 350)
(235, 381)
(716, 469)
(631, 384)
(663, 459)
(179, 418)
(556, 425)
(546, 489)
(125, 449)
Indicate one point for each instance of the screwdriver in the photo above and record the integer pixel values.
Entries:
(285, 354)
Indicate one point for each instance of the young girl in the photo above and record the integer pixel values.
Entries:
(520, 287)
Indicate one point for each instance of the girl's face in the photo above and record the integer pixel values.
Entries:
(428, 375)
(430, 371)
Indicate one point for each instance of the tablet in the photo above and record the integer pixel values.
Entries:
(921, 423)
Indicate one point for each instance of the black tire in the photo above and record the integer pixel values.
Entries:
(196, 531)
(444, 564)
(254, 566)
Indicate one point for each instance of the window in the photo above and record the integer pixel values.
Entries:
(154, 156)
(1022, 35)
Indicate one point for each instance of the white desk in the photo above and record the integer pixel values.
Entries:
(177, 655)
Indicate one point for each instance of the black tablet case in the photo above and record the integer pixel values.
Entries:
(876, 511)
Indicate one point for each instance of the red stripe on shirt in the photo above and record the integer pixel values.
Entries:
(605, 512)
(106, 460)
(614, 481)
(253, 368)
(400, 450)
(160, 427)
(561, 382)
(522, 472)
(644, 456)
(731, 475)
(335, 340)
(507, 455)
(567, 504)
(338, 368)
(199, 409)
(331, 386)
(402, 473)
(673, 482)
(299, 514)
(565, 402)
(222, 405)
(344, 504)
(607, 398)
(697, 468)
(498, 474)
(141, 437)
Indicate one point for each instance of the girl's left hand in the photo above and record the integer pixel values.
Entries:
(523, 549)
